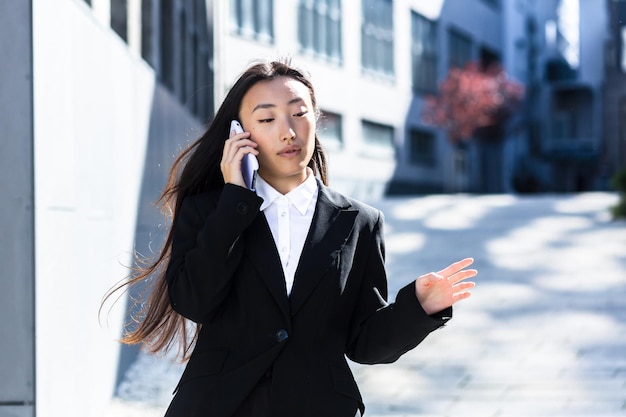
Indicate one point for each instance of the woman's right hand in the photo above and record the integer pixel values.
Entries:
(235, 147)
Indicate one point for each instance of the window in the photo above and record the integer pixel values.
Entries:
(147, 32)
(329, 132)
(459, 49)
(119, 18)
(422, 148)
(184, 52)
(622, 42)
(166, 41)
(253, 19)
(379, 137)
(377, 36)
(488, 58)
(424, 53)
(319, 28)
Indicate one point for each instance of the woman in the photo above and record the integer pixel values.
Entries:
(283, 282)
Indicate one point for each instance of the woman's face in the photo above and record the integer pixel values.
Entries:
(280, 117)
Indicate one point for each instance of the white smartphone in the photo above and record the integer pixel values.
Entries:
(249, 164)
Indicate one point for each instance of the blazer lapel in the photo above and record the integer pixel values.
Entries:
(332, 224)
(261, 250)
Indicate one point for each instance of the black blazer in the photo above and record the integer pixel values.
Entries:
(225, 274)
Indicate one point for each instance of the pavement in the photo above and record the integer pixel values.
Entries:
(543, 335)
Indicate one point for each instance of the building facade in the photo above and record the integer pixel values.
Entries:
(99, 96)
(563, 149)
(372, 62)
(92, 119)
(375, 62)
(614, 151)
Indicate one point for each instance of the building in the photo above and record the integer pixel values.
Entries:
(614, 155)
(564, 143)
(372, 63)
(90, 128)
(98, 96)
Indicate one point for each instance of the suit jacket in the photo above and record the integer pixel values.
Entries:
(225, 274)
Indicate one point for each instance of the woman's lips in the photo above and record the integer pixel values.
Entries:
(290, 151)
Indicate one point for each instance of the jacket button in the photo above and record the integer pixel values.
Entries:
(281, 335)
(243, 208)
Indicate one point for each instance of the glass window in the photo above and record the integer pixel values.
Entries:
(424, 53)
(488, 58)
(459, 49)
(377, 135)
(422, 148)
(622, 42)
(329, 132)
(147, 32)
(119, 18)
(377, 36)
(319, 28)
(184, 53)
(253, 18)
(166, 44)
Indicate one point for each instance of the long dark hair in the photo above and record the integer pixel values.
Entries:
(155, 324)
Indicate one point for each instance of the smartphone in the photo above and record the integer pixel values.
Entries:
(249, 164)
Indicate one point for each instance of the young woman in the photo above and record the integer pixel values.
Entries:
(282, 282)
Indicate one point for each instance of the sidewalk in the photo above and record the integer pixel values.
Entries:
(544, 334)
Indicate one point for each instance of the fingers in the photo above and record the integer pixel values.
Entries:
(462, 275)
(235, 147)
(460, 296)
(238, 145)
(464, 287)
(456, 267)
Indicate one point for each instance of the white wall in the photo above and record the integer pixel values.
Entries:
(94, 103)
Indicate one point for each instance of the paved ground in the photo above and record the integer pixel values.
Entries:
(543, 335)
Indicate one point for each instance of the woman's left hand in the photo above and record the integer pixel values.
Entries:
(437, 291)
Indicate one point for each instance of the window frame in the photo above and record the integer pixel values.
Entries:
(320, 29)
(459, 41)
(253, 19)
(376, 148)
(331, 141)
(424, 55)
(417, 157)
(377, 37)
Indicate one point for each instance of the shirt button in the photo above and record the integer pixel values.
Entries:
(243, 208)
(281, 335)
(283, 214)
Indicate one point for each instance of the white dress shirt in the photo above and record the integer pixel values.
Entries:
(289, 217)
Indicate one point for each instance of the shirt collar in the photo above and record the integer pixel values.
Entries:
(300, 197)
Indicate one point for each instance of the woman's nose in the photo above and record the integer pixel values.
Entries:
(289, 133)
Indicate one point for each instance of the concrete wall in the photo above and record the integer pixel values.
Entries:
(105, 135)
(17, 276)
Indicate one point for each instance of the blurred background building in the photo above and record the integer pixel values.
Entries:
(98, 96)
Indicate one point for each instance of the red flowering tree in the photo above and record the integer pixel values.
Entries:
(471, 98)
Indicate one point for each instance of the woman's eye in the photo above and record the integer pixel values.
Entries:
(265, 120)
(300, 114)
